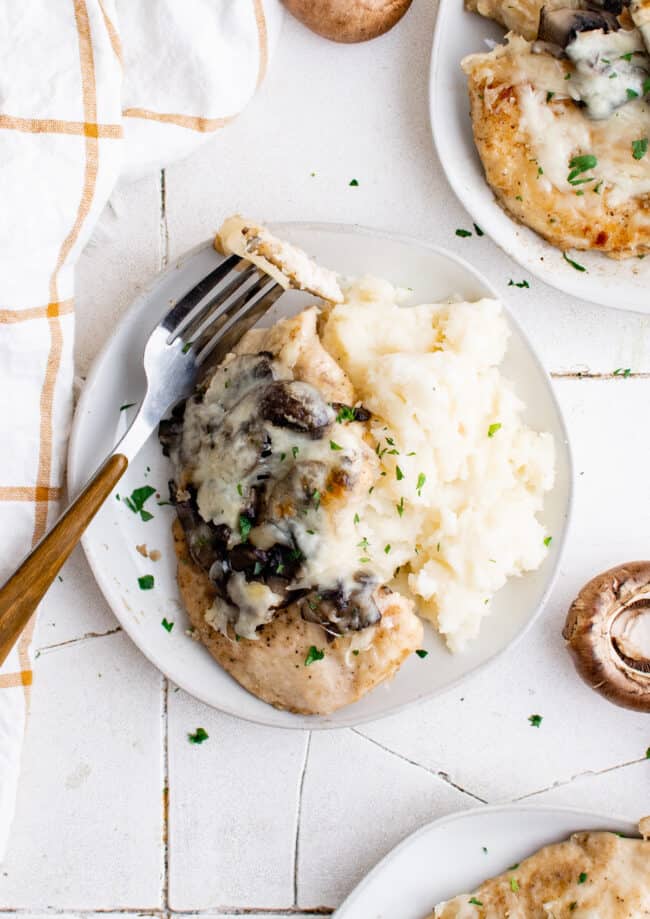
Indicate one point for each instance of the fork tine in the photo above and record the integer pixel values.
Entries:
(246, 312)
(220, 316)
(227, 285)
(196, 293)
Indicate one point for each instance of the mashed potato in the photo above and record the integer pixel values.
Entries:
(462, 477)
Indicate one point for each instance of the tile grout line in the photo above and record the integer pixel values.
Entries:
(42, 649)
(164, 226)
(443, 776)
(164, 887)
(296, 848)
(590, 773)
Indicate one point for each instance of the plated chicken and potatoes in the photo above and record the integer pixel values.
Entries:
(561, 119)
(345, 474)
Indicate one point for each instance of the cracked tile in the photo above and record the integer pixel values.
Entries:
(232, 810)
(623, 792)
(73, 606)
(88, 821)
(358, 802)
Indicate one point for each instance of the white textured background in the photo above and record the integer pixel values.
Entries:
(272, 823)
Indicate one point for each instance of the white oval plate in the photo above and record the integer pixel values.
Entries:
(446, 857)
(621, 284)
(110, 543)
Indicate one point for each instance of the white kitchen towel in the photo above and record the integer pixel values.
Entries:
(89, 90)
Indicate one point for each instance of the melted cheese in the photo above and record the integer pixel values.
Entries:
(609, 67)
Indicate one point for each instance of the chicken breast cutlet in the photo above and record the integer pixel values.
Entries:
(561, 156)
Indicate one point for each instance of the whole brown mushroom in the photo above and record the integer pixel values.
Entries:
(608, 633)
(348, 20)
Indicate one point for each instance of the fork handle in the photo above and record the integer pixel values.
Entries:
(25, 589)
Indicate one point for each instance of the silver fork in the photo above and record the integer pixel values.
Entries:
(205, 324)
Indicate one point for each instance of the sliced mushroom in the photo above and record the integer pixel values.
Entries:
(296, 405)
(608, 633)
(560, 27)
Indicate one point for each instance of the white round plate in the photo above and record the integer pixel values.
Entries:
(446, 858)
(622, 284)
(110, 543)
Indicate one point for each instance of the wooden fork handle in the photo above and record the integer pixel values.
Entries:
(25, 589)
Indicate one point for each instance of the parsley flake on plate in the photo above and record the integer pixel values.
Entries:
(582, 877)
(494, 428)
(639, 148)
(514, 885)
(335, 446)
(479, 231)
(400, 507)
(146, 582)
(578, 165)
(245, 526)
(399, 475)
(475, 902)
(573, 264)
(547, 541)
(313, 655)
(535, 720)
(198, 736)
(622, 372)
(421, 652)
(346, 413)
(420, 483)
(463, 233)
(126, 405)
(167, 626)
(354, 183)
(137, 500)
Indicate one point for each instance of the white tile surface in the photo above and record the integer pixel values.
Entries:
(233, 804)
(89, 832)
(358, 802)
(89, 818)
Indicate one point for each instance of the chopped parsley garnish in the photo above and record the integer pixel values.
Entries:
(387, 548)
(484, 848)
(126, 405)
(345, 413)
(283, 457)
(315, 498)
(363, 544)
(400, 506)
(631, 93)
(245, 526)
(535, 720)
(479, 231)
(356, 518)
(146, 582)
(475, 902)
(518, 198)
(420, 483)
(354, 183)
(540, 171)
(335, 446)
(580, 164)
(582, 877)
(513, 867)
(547, 541)
(626, 57)
(421, 652)
(567, 76)
(279, 568)
(647, 753)
(356, 652)
(549, 96)
(198, 736)
(186, 347)
(573, 264)
(514, 885)
(239, 489)
(365, 560)
(494, 428)
(463, 233)
(620, 372)
(521, 284)
(646, 86)
(639, 148)
(137, 500)
(313, 655)
(295, 451)
(399, 475)
(596, 188)
(167, 626)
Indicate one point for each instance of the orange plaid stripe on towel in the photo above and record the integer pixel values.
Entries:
(97, 95)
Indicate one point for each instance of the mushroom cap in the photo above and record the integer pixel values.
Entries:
(560, 26)
(348, 20)
(604, 633)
